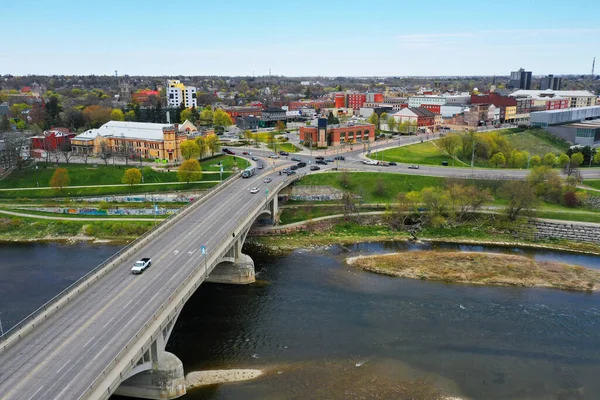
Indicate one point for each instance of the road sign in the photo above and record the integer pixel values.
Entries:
(203, 250)
(156, 209)
(267, 191)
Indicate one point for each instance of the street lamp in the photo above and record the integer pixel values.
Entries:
(1, 328)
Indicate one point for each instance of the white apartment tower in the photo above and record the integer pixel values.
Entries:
(178, 93)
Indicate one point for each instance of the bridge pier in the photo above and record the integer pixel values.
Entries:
(166, 380)
(240, 272)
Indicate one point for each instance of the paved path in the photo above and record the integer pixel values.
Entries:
(113, 185)
(18, 214)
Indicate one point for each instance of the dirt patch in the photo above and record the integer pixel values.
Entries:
(481, 268)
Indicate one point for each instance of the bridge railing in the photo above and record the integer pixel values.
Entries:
(221, 250)
(82, 283)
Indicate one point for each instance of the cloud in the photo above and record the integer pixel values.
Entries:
(429, 37)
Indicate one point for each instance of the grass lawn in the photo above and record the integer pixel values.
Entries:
(101, 190)
(594, 183)
(285, 146)
(421, 153)
(212, 164)
(81, 174)
(373, 186)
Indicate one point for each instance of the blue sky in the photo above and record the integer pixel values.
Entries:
(299, 38)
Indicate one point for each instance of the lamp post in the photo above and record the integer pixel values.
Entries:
(1, 328)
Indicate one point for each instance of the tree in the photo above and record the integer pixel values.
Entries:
(521, 197)
(194, 115)
(105, 151)
(60, 179)
(202, 149)
(449, 144)
(374, 119)
(280, 126)
(391, 123)
(185, 115)
(467, 199)
(546, 183)
(190, 149)
(65, 148)
(535, 161)
(549, 159)
(130, 115)
(206, 116)
(189, 170)
(498, 159)
(5, 124)
(117, 115)
(213, 144)
(577, 159)
(221, 118)
(132, 176)
(331, 119)
(95, 116)
(53, 110)
(563, 160)
(73, 118)
(597, 158)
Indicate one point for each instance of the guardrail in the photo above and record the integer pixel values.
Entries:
(222, 248)
(53, 304)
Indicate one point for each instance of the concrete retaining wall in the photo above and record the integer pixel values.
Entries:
(573, 232)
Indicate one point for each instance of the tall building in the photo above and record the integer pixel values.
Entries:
(550, 82)
(520, 79)
(178, 93)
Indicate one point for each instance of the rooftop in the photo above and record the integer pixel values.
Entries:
(550, 92)
(129, 130)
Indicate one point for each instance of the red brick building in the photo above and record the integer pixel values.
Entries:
(55, 138)
(419, 115)
(316, 104)
(493, 98)
(144, 95)
(340, 100)
(243, 112)
(434, 108)
(356, 100)
(335, 135)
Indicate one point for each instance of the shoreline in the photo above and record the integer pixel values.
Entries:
(480, 268)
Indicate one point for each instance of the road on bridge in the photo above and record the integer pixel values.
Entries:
(62, 356)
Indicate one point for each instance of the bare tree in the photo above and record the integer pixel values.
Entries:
(66, 151)
(56, 153)
(105, 151)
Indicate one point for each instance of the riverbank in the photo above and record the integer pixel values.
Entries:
(481, 269)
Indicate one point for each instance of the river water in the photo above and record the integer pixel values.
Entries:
(324, 330)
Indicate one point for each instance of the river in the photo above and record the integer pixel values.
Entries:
(323, 330)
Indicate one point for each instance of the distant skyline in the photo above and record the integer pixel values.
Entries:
(308, 38)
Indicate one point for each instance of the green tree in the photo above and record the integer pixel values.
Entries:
(213, 144)
(206, 116)
(132, 176)
(576, 159)
(129, 115)
(53, 110)
(280, 126)
(449, 144)
(597, 158)
(5, 124)
(391, 123)
(60, 179)
(190, 149)
(520, 196)
(189, 170)
(221, 118)
(374, 119)
(535, 161)
(194, 115)
(117, 115)
(202, 148)
(185, 115)
(563, 160)
(546, 183)
(498, 159)
(549, 159)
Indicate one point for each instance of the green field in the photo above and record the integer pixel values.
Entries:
(425, 153)
(594, 183)
(285, 146)
(537, 142)
(100, 174)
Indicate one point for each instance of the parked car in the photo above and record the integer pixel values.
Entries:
(245, 153)
(141, 265)
(445, 163)
(341, 158)
(284, 153)
(319, 158)
(273, 155)
(291, 172)
(267, 180)
(285, 170)
(413, 167)
(323, 162)
(254, 190)
(314, 168)
(295, 159)
(293, 167)
(329, 159)
(392, 163)
(301, 164)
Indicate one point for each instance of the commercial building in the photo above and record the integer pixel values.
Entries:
(271, 116)
(178, 93)
(143, 96)
(576, 125)
(550, 82)
(324, 135)
(242, 111)
(315, 104)
(576, 98)
(149, 140)
(356, 100)
(247, 123)
(419, 116)
(419, 101)
(520, 79)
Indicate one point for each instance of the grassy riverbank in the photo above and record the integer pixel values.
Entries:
(482, 269)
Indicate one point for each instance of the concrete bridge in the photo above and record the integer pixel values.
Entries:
(106, 334)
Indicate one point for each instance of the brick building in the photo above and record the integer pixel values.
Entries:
(316, 104)
(324, 135)
(422, 117)
(243, 112)
(53, 139)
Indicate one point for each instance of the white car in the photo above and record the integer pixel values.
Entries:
(254, 190)
(141, 265)
(267, 180)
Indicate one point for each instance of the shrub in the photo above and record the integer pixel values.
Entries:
(570, 199)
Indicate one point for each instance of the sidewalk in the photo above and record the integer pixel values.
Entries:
(113, 185)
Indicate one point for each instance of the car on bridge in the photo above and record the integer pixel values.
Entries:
(267, 180)
(141, 265)
(254, 190)
(291, 172)
(413, 167)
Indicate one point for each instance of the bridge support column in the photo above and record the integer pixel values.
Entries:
(240, 272)
(274, 208)
(165, 381)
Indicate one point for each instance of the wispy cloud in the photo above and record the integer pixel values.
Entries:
(429, 37)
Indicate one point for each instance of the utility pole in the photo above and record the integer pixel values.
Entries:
(1, 328)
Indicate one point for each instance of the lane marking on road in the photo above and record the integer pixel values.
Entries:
(191, 252)
(63, 366)
(59, 397)
(36, 392)
(128, 303)
(176, 252)
(88, 342)
(108, 322)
